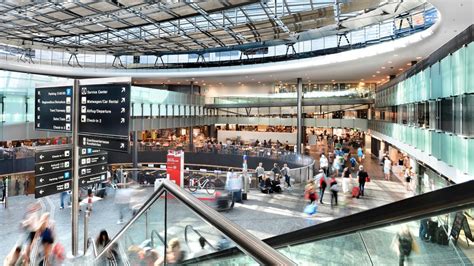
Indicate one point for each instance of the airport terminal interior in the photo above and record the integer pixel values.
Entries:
(237, 132)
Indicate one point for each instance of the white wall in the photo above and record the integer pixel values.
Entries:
(223, 135)
(246, 89)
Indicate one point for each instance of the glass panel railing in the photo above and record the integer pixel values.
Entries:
(173, 226)
(436, 240)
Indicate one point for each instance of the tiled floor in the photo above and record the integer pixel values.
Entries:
(264, 215)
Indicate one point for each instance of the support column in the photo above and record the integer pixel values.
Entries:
(75, 179)
(299, 110)
(191, 138)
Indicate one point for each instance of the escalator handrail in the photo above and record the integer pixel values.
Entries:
(154, 232)
(433, 203)
(197, 233)
(445, 200)
(249, 244)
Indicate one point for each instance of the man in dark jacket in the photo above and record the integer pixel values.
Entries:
(362, 175)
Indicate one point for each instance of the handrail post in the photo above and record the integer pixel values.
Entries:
(86, 229)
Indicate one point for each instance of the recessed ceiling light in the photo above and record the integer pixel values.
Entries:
(395, 55)
(378, 72)
(389, 62)
(179, 82)
(192, 78)
(253, 79)
(361, 79)
(388, 77)
(373, 76)
(401, 69)
(168, 80)
(383, 67)
(204, 84)
(239, 82)
(333, 80)
(408, 64)
(259, 82)
(418, 57)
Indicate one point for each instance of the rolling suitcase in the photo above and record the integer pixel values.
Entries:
(355, 192)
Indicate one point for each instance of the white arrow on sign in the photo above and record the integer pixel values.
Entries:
(41, 156)
(103, 158)
(41, 168)
(122, 120)
(122, 110)
(122, 145)
(83, 181)
(123, 100)
(41, 192)
(123, 89)
(41, 180)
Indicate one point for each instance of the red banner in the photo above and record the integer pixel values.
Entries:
(175, 167)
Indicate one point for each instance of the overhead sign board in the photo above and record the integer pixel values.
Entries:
(53, 109)
(105, 110)
(53, 166)
(58, 187)
(104, 143)
(92, 170)
(53, 155)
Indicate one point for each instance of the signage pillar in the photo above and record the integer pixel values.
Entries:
(75, 177)
(175, 167)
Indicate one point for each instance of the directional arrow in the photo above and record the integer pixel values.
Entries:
(39, 109)
(41, 180)
(39, 92)
(103, 158)
(41, 192)
(122, 145)
(123, 89)
(122, 120)
(122, 110)
(123, 100)
(41, 156)
(41, 168)
(83, 181)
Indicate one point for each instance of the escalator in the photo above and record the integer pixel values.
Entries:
(436, 223)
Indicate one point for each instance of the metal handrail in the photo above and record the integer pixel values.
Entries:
(154, 232)
(249, 244)
(197, 233)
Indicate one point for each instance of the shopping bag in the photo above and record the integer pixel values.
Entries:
(367, 179)
(311, 209)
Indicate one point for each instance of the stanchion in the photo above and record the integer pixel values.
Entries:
(86, 229)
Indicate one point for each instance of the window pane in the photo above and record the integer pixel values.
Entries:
(468, 115)
(447, 115)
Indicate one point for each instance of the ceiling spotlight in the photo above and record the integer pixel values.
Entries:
(383, 67)
(389, 62)
(259, 82)
(333, 80)
(418, 57)
(401, 69)
(204, 84)
(395, 55)
(361, 79)
(408, 64)
(373, 76)
(378, 72)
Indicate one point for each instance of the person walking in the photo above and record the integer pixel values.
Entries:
(362, 176)
(387, 165)
(405, 244)
(334, 189)
(346, 179)
(321, 178)
(276, 170)
(26, 185)
(360, 154)
(260, 172)
(285, 172)
(17, 186)
(324, 164)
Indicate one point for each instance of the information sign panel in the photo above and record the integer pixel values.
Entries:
(53, 109)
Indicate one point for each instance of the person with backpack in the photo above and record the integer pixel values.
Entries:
(362, 176)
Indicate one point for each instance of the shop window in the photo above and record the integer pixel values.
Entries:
(468, 115)
(404, 113)
(447, 118)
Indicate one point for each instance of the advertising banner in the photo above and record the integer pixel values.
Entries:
(175, 167)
